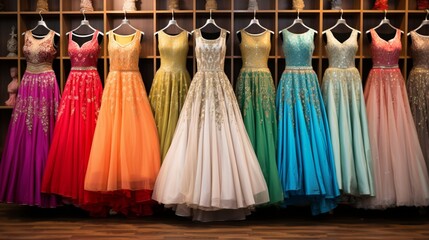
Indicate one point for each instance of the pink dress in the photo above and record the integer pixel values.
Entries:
(401, 178)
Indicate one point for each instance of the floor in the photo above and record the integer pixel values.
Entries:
(22, 222)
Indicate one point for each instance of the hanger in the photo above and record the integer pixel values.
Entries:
(84, 22)
(424, 22)
(172, 22)
(125, 22)
(255, 21)
(341, 20)
(385, 21)
(211, 21)
(41, 23)
(298, 21)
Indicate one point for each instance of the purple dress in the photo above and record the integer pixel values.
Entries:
(31, 127)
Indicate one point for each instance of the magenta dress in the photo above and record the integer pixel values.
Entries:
(31, 127)
(400, 174)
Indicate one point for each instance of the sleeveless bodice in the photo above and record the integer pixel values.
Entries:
(124, 51)
(420, 50)
(385, 53)
(39, 53)
(341, 55)
(255, 49)
(173, 50)
(84, 56)
(298, 48)
(210, 53)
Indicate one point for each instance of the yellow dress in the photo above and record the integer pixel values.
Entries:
(170, 85)
(125, 156)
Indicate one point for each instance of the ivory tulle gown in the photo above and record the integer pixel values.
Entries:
(210, 171)
(125, 156)
(400, 172)
(31, 127)
(69, 153)
(170, 85)
(345, 106)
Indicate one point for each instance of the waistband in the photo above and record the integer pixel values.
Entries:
(351, 67)
(385, 66)
(298, 68)
(39, 68)
(83, 68)
(124, 70)
(210, 70)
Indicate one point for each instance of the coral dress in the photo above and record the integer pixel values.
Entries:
(345, 106)
(170, 85)
(210, 171)
(69, 153)
(400, 173)
(31, 127)
(125, 156)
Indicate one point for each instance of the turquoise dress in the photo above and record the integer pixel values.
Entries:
(305, 159)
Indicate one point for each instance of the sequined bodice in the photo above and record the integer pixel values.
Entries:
(124, 51)
(173, 50)
(255, 49)
(210, 53)
(385, 53)
(420, 50)
(39, 53)
(85, 55)
(298, 48)
(341, 55)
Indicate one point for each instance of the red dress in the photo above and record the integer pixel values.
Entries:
(69, 153)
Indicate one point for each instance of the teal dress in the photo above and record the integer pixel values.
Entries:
(305, 159)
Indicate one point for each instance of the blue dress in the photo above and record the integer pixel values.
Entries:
(305, 159)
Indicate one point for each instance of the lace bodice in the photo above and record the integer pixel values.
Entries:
(298, 48)
(210, 53)
(420, 50)
(85, 55)
(255, 49)
(124, 51)
(385, 53)
(341, 55)
(39, 53)
(173, 50)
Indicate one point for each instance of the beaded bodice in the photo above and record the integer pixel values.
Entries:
(124, 51)
(39, 53)
(385, 53)
(210, 53)
(298, 48)
(341, 55)
(85, 55)
(173, 50)
(420, 50)
(255, 49)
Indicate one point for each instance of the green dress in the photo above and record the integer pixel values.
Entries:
(170, 85)
(256, 97)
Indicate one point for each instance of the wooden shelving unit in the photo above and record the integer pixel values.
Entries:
(231, 14)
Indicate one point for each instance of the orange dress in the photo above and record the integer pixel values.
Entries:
(125, 154)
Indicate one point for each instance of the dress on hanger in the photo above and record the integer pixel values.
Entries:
(418, 89)
(256, 97)
(125, 156)
(305, 159)
(345, 106)
(210, 171)
(69, 153)
(400, 172)
(170, 85)
(31, 127)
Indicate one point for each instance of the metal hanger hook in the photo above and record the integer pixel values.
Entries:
(342, 12)
(125, 14)
(40, 14)
(385, 14)
(211, 10)
(172, 14)
(297, 16)
(427, 13)
(254, 14)
(83, 13)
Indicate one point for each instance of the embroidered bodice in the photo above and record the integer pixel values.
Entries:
(173, 51)
(385, 53)
(124, 51)
(298, 48)
(39, 53)
(210, 53)
(85, 55)
(420, 50)
(255, 49)
(341, 55)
